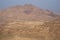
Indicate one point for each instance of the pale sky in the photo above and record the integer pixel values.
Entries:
(53, 5)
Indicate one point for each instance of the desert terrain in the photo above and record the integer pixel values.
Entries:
(29, 22)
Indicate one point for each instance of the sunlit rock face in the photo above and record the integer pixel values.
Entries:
(27, 22)
(32, 30)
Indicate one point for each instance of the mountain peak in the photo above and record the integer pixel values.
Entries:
(28, 5)
(27, 13)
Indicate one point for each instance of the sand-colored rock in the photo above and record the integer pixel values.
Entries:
(28, 23)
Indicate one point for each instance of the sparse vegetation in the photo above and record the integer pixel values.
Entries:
(31, 30)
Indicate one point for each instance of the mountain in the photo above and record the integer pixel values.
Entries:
(29, 22)
(27, 13)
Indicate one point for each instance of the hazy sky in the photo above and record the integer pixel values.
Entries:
(45, 4)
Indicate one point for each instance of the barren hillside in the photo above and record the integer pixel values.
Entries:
(27, 13)
(29, 23)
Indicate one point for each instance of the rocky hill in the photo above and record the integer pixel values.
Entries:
(27, 13)
(29, 23)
